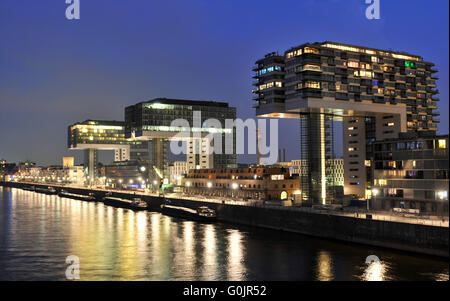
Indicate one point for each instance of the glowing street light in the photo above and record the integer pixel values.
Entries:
(442, 194)
(375, 192)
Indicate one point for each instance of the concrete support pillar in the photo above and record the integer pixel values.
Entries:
(354, 144)
(159, 158)
(90, 165)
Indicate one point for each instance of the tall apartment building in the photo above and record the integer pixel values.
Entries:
(94, 135)
(376, 94)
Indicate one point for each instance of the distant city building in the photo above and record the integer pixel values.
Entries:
(151, 120)
(26, 164)
(94, 135)
(178, 170)
(411, 172)
(376, 93)
(53, 174)
(7, 170)
(259, 183)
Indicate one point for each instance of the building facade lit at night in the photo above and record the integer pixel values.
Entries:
(377, 94)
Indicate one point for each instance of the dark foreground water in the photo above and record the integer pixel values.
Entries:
(38, 232)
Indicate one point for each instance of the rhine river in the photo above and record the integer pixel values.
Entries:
(38, 232)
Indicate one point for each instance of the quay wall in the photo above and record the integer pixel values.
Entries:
(430, 240)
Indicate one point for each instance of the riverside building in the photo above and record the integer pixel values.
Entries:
(259, 183)
(94, 135)
(411, 172)
(376, 93)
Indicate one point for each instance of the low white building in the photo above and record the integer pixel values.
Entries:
(177, 170)
(54, 174)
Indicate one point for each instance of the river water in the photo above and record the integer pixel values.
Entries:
(38, 232)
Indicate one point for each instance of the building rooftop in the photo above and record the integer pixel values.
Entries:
(187, 102)
(360, 49)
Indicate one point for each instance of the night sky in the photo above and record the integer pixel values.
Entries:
(54, 72)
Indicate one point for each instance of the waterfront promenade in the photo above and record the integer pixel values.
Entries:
(436, 221)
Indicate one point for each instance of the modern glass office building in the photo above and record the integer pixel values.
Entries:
(152, 120)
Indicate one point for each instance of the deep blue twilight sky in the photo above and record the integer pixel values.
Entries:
(54, 72)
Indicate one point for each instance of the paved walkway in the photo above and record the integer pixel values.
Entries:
(382, 216)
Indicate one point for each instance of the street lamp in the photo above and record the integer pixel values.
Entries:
(374, 193)
(442, 194)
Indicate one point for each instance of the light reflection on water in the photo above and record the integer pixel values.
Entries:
(37, 233)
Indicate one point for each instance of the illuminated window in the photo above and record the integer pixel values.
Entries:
(363, 73)
(382, 182)
(374, 59)
(266, 86)
(410, 64)
(367, 163)
(311, 50)
(315, 85)
(311, 67)
(294, 53)
(352, 149)
(442, 143)
(269, 69)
